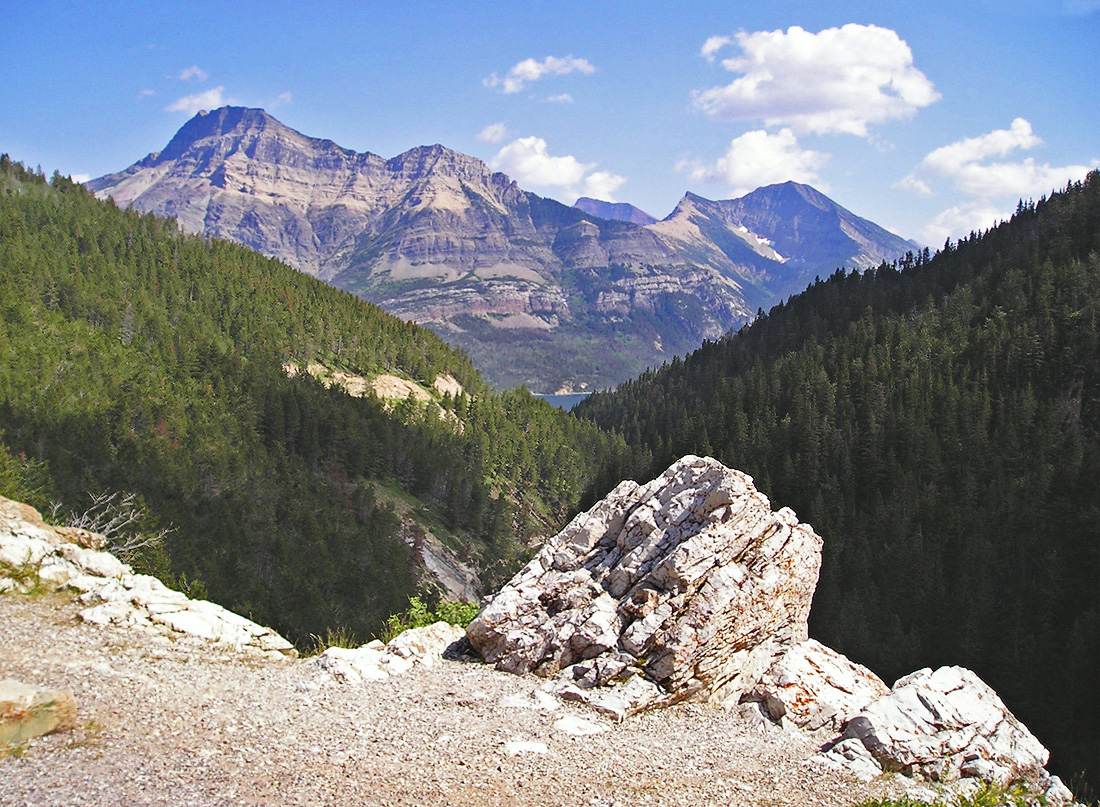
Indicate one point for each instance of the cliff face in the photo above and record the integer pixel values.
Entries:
(538, 293)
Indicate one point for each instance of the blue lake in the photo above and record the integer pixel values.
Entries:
(565, 402)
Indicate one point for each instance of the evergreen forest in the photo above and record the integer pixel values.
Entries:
(138, 360)
(937, 421)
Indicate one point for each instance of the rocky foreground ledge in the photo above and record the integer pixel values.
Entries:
(661, 642)
(34, 554)
(691, 588)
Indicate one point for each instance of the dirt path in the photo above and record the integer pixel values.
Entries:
(165, 722)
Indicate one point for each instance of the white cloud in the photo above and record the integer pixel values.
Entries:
(493, 133)
(713, 45)
(959, 221)
(602, 185)
(81, 178)
(757, 158)
(282, 99)
(146, 93)
(191, 104)
(563, 98)
(968, 165)
(838, 80)
(528, 161)
(530, 70)
(911, 183)
(194, 71)
(976, 167)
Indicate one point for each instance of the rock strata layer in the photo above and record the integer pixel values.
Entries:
(35, 554)
(686, 588)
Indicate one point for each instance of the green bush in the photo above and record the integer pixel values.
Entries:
(417, 615)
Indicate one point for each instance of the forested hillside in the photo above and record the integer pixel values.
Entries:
(139, 360)
(938, 422)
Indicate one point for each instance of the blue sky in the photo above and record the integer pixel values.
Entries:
(930, 118)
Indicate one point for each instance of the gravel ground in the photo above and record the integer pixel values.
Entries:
(163, 722)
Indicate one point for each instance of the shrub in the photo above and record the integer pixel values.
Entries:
(417, 615)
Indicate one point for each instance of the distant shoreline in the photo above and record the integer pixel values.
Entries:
(566, 401)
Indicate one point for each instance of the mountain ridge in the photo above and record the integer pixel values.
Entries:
(615, 211)
(538, 293)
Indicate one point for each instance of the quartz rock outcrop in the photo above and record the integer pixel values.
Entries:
(33, 553)
(376, 661)
(945, 726)
(687, 587)
(816, 687)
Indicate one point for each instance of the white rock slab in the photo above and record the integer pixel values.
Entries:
(114, 594)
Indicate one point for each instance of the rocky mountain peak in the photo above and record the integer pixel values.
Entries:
(614, 211)
(233, 123)
(516, 280)
(423, 160)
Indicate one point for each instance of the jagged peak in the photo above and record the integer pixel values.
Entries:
(789, 190)
(421, 159)
(221, 122)
(239, 124)
(689, 203)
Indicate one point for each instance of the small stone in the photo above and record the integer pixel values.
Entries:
(514, 747)
(27, 711)
(578, 726)
(536, 699)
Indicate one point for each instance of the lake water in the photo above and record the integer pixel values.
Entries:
(565, 402)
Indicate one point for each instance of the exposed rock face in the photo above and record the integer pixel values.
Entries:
(615, 211)
(685, 588)
(376, 661)
(29, 711)
(437, 237)
(34, 553)
(945, 724)
(816, 687)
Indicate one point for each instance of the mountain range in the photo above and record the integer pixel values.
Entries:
(537, 293)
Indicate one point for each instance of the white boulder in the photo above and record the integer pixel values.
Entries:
(949, 726)
(686, 588)
(815, 687)
(375, 661)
